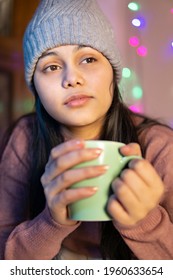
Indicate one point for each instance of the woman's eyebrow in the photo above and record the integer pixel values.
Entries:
(50, 53)
(56, 53)
(78, 47)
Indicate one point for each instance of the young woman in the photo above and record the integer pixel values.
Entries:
(72, 66)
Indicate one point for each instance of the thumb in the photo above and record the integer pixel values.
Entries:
(131, 149)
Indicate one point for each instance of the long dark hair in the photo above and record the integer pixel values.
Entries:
(118, 126)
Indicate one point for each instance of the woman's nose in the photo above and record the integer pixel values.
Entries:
(72, 77)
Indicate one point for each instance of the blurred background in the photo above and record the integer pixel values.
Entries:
(15, 98)
(144, 32)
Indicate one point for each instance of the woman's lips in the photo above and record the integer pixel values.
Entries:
(77, 100)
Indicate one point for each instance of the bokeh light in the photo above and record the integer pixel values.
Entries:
(134, 41)
(133, 6)
(138, 22)
(27, 105)
(136, 108)
(142, 51)
(137, 92)
(126, 73)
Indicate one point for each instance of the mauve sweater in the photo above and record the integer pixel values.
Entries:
(41, 238)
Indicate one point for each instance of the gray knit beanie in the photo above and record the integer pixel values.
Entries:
(68, 22)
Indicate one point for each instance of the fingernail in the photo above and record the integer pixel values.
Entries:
(102, 169)
(124, 149)
(79, 142)
(92, 190)
(133, 162)
(97, 152)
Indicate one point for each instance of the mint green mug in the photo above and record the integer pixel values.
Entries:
(94, 207)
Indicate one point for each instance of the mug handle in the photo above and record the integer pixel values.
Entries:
(125, 159)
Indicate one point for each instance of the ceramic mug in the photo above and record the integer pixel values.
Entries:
(94, 208)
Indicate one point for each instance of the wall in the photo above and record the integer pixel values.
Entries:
(15, 98)
(153, 72)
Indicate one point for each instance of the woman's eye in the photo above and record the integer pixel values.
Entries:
(89, 60)
(52, 68)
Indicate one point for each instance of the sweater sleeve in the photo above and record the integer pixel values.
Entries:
(37, 239)
(20, 237)
(152, 238)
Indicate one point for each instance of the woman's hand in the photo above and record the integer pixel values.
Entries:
(59, 176)
(137, 191)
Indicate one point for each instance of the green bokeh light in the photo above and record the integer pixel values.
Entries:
(126, 73)
(137, 92)
(28, 105)
(133, 6)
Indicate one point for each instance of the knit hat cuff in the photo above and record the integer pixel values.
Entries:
(81, 28)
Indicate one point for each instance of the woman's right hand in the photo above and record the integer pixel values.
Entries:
(59, 176)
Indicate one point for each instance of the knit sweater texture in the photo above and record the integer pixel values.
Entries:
(41, 238)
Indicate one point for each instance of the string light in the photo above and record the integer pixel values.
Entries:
(142, 51)
(133, 6)
(138, 22)
(134, 41)
(137, 92)
(136, 108)
(126, 73)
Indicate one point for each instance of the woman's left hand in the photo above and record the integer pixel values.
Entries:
(136, 191)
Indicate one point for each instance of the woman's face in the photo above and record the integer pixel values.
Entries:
(75, 86)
